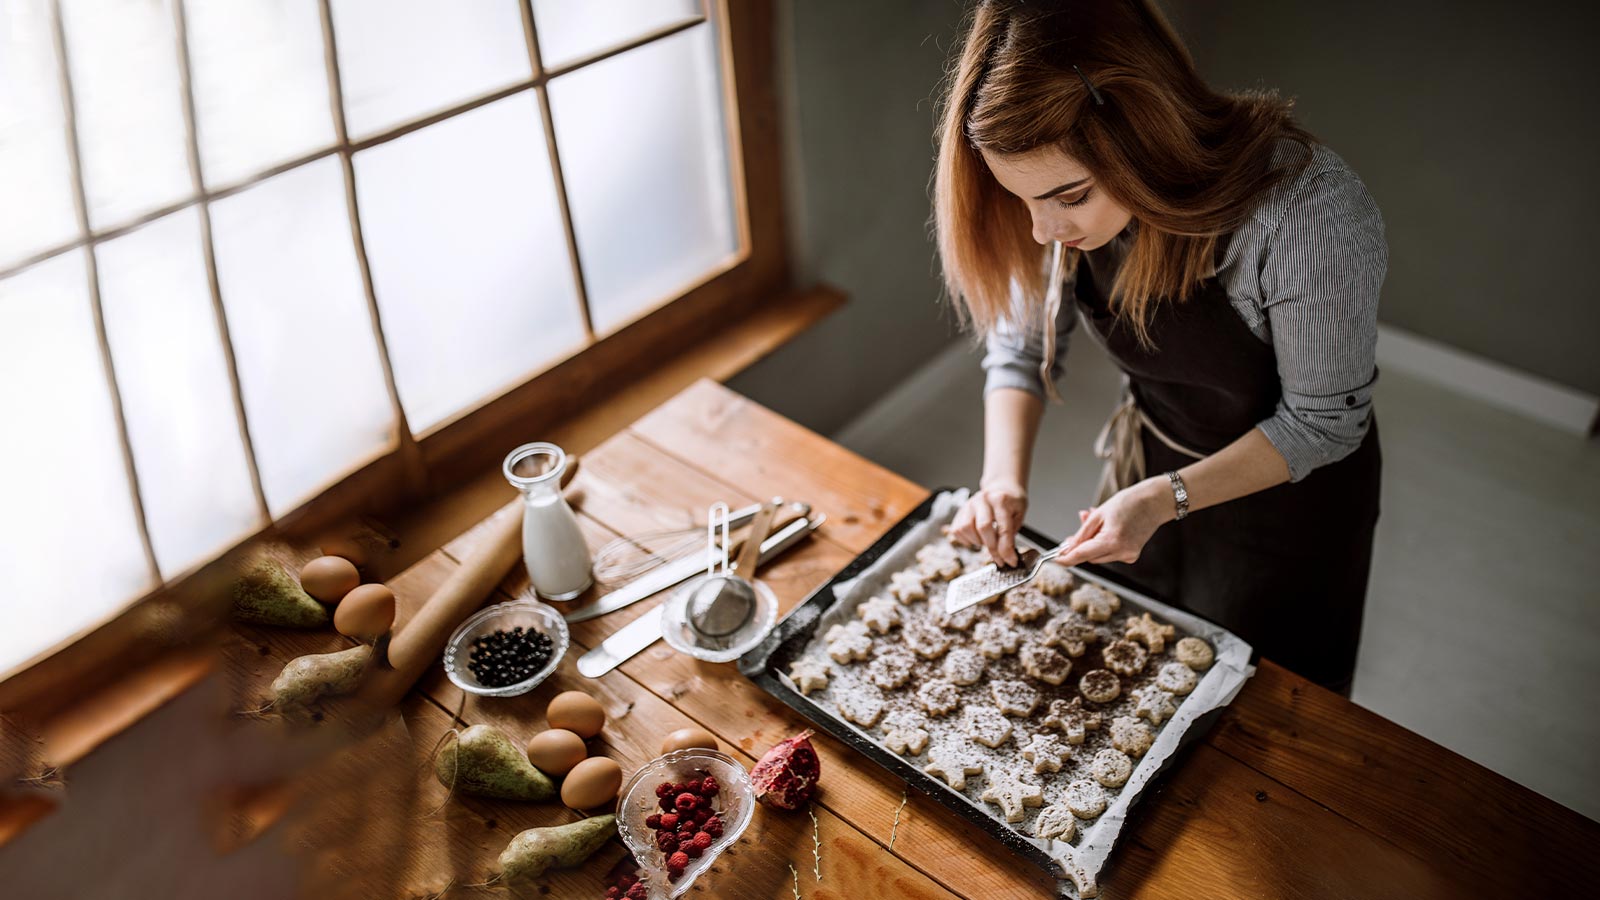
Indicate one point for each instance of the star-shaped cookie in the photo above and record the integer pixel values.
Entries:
(908, 586)
(904, 732)
(879, 614)
(1095, 602)
(1154, 704)
(1047, 752)
(808, 674)
(953, 762)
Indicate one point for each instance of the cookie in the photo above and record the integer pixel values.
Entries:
(938, 561)
(1047, 752)
(1071, 632)
(1085, 799)
(1131, 736)
(995, 639)
(953, 761)
(1013, 792)
(891, 668)
(1072, 718)
(986, 725)
(1015, 698)
(908, 586)
(960, 620)
(1095, 602)
(808, 674)
(879, 614)
(1024, 604)
(1111, 767)
(861, 704)
(904, 732)
(1149, 632)
(1177, 678)
(925, 639)
(963, 666)
(938, 697)
(1124, 657)
(1053, 580)
(1154, 704)
(1043, 663)
(1194, 653)
(1100, 686)
(848, 643)
(1055, 823)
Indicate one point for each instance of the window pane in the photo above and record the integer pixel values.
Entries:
(642, 147)
(33, 135)
(69, 545)
(124, 63)
(469, 263)
(302, 337)
(399, 59)
(260, 84)
(175, 393)
(569, 29)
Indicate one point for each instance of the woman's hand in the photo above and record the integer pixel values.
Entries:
(991, 518)
(1117, 530)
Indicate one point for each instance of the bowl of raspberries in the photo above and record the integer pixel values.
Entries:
(677, 814)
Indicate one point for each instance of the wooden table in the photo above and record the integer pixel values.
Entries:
(1296, 793)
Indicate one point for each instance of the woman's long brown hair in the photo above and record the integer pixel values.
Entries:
(1188, 162)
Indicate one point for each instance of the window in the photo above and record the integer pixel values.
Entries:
(271, 243)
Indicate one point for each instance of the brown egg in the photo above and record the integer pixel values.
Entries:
(329, 578)
(593, 782)
(684, 738)
(556, 751)
(365, 613)
(577, 712)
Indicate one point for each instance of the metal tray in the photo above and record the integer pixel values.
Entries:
(773, 656)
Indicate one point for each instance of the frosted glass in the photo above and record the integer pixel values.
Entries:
(642, 147)
(260, 84)
(399, 59)
(569, 29)
(69, 545)
(175, 393)
(308, 362)
(123, 56)
(33, 135)
(469, 263)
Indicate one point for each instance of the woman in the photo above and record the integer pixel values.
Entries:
(1228, 264)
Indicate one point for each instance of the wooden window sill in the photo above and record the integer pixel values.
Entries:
(71, 732)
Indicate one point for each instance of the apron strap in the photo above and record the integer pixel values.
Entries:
(1120, 443)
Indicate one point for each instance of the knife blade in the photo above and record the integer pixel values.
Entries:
(632, 638)
(668, 574)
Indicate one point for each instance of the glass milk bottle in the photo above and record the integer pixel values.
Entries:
(552, 546)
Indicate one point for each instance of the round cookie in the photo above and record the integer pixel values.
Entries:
(1055, 823)
(1177, 678)
(1194, 653)
(1085, 799)
(1100, 686)
(1130, 735)
(1111, 768)
(1124, 657)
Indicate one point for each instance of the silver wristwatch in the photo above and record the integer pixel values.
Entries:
(1179, 493)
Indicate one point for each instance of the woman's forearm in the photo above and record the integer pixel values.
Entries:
(1247, 465)
(1010, 425)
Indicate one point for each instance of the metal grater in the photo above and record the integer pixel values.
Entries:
(993, 580)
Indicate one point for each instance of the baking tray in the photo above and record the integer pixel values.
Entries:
(768, 664)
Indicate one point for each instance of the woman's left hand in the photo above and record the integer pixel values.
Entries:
(1117, 530)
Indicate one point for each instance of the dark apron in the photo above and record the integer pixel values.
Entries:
(1286, 568)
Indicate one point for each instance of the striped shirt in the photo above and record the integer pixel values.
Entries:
(1304, 273)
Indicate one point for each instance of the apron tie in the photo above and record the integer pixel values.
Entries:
(1120, 443)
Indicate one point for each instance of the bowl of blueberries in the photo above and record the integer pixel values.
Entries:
(506, 649)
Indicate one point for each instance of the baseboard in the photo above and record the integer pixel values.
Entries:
(1494, 383)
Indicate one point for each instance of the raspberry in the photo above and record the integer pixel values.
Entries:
(693, 787)
(702, 840)
(627, 881)
(637, 892)
(666, 803)
(687, 827)
(700, 815)
(668, 821)
(693, 851)
(686, 801)
(664, 789)
(680, 787)
(709, 787)
(667, 841)
(679, 860)
(713, 827)
(613, 893)
(652, 822)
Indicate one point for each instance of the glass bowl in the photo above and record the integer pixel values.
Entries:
(683, 637)
(531, 615)
(735, 804)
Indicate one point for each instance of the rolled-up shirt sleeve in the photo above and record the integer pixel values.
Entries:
(1014, 348)
(1320, 280)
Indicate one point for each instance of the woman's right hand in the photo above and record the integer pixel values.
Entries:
(991, 518)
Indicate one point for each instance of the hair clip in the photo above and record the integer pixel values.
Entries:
(1098, 100)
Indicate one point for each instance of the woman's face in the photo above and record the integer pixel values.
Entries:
(1066, 203)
